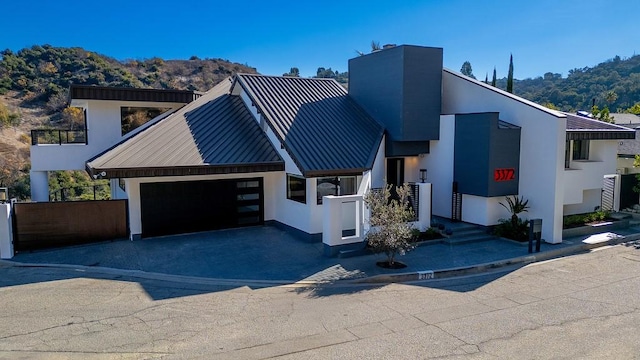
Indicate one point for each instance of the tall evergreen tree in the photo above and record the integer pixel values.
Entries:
(493, 82)
(466, 70)
(486, 78)
(510, 76)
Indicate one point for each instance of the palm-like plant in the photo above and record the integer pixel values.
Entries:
(516, 205)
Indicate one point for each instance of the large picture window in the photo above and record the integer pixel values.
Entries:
(133, 117)
(296, 188)
(342, 185)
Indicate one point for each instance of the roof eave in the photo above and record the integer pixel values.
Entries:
(219, 169)
(600, 135)
(333, 172)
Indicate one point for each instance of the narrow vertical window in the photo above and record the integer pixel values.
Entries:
(296, 188)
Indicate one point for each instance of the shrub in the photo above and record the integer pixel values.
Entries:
(507, 229)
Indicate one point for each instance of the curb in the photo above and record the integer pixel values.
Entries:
(375, 279)
(480, 268)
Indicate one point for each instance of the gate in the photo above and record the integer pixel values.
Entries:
(456, 203)
(55, 224)
(628, 197)
(608, 193)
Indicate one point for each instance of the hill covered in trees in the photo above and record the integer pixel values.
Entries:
(34, 86)
(42, 74)
(614, 83)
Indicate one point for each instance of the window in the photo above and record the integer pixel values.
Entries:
(133, 117)
(581, 150)
(121, 184)
(296, 188)
(343, 185)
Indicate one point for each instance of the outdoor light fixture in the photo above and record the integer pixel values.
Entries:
(4, 195)
(423, 174)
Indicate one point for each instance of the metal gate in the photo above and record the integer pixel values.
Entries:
(55, 224)
(608, 193)
(456, 203)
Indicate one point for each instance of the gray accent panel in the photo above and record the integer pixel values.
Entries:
(400, 87)
(482, 145)
(405, 148)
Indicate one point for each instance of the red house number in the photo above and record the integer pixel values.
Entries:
(504, 174)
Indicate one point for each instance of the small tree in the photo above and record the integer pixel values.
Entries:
(391, 230)
(516, 205)
(493, 82)
(510, 75)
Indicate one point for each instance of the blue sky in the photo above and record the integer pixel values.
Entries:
(273, 36)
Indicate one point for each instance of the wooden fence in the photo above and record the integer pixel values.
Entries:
(54, 224)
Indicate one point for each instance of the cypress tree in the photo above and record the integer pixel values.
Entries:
(493, 82)
(486, 78)
(510, 76)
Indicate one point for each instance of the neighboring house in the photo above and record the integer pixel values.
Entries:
(627, 151)
(258, 149)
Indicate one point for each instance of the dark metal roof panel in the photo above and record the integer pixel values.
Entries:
(90, 92)
(214, 132)
(320, 126)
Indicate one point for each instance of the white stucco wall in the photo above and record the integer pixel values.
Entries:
(541, 179)
(103, 131)
(583, 181)
(439, 165)
(484, 211)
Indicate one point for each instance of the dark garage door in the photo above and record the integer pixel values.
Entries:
(192, 206)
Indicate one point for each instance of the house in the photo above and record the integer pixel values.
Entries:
(627, 151)
(300, 153)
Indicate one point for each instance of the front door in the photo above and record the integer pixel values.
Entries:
(395, 171)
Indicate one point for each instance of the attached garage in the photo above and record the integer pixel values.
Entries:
(191, 206)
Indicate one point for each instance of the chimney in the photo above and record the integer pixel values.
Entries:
(401, 87)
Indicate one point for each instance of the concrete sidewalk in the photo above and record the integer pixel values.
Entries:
(272, 255)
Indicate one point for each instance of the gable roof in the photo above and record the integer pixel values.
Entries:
(324, 131)
(583, 128)
(628, 120)
(215, 134)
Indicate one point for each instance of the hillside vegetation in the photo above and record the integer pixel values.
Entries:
(614, 83)
(34, 87)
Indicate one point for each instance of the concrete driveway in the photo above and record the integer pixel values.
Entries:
(269, 253)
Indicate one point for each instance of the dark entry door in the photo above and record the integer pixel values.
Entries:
(395, 171)
(193, 206)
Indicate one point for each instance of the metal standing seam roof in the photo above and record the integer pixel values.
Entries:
(324, 131)
(583, 128)
(215, 134)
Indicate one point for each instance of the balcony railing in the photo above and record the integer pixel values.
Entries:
(59, 137)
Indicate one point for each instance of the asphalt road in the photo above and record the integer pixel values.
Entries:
(581, 307)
